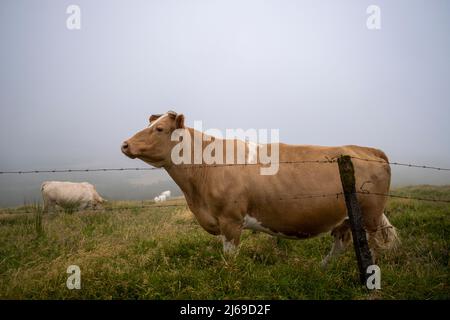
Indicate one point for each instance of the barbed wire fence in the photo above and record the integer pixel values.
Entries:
(296, 197)
(330, 160)
(350, 195)
(292, 197)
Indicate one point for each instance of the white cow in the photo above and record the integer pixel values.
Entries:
(166, 193)
(161, 198)
(70, 194)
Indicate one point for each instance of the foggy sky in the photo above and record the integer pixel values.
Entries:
(312, 69)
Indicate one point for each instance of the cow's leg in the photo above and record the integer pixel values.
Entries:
(383, 238)
(49, 206)
(342, 238)
(45, 208)
(97, 205)
(230, 233)
(381, 234)
(84, 206)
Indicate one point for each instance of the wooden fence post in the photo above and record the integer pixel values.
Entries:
(360, 244)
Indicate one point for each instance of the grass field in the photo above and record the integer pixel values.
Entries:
(162, 253)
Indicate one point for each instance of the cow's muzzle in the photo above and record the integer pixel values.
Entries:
(126, 150)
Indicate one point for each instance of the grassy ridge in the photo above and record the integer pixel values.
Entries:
(162, 253)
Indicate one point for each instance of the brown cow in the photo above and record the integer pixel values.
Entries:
(226, 199)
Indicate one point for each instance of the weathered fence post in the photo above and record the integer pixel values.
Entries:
(360, 244)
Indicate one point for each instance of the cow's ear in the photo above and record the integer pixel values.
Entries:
(153, 117)
(179, 121)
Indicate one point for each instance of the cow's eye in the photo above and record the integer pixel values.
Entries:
(159, 129)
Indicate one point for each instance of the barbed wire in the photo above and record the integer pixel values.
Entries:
(390, 195)
(187, 166)
(77, 170)
(295, 197)
(137, 206)
(410, 165)
(116, 208)
(307, 196)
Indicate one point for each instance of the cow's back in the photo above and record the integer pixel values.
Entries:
(62, 192)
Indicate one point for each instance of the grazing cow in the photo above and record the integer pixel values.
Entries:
(226, 199)
(161, 198)
(70, 195)
(166, 193)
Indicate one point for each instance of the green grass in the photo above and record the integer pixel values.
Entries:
(162, 253)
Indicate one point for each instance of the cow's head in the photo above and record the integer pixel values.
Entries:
(153, 144)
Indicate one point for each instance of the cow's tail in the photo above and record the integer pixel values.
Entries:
(385, 237)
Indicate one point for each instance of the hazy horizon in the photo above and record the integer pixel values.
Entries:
(312, 69)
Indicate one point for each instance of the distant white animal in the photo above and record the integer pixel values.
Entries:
(70, 194)
(160, 198)
(166, 193)
(163, 196)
